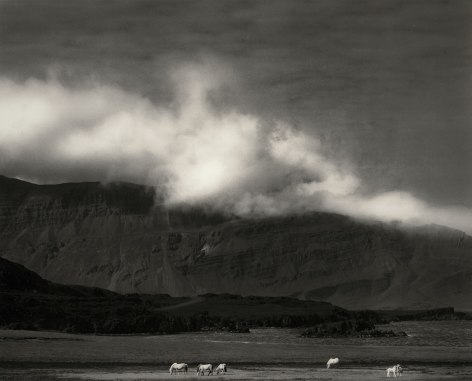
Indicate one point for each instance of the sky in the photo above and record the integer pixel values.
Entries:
(255, 107)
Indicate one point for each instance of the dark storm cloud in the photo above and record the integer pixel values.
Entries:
(381, 85)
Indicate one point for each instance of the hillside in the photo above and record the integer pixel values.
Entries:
(30, 302)
(120, 238)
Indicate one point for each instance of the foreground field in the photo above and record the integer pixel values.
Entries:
(432, 351)
(254, 372)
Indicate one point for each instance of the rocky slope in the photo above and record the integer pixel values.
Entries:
(115, 237)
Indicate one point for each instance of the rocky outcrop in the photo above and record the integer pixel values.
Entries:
(119, 237)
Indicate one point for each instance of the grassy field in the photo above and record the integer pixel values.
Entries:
(280, 373)
(432, 351)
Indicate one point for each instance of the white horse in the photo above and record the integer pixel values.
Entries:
(332, 362)
(174, 368)
(202, 368)
(221, 369)
(396, 371)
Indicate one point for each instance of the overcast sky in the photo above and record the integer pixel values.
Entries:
(377, 92)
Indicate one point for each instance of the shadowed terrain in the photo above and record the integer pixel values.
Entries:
(30, 302)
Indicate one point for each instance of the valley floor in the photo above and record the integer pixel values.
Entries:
(432, 351)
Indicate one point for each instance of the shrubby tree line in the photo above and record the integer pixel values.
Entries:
(352, 324)
(115, 315)
(447, 313)
(363, 323)
(123, 315)
(131, 314)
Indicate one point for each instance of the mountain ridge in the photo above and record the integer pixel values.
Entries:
(118, 237)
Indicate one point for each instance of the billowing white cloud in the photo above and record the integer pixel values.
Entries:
(190, 150)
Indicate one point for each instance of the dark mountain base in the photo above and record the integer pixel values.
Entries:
(29, 302)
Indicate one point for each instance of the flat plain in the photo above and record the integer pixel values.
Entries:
(435, 350)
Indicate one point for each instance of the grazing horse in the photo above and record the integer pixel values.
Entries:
(174, 368)
(399, 370)
(221, 368)
(396, 371)
(203, 368)
(332, 363)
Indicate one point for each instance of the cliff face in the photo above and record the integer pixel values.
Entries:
(115, 237)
